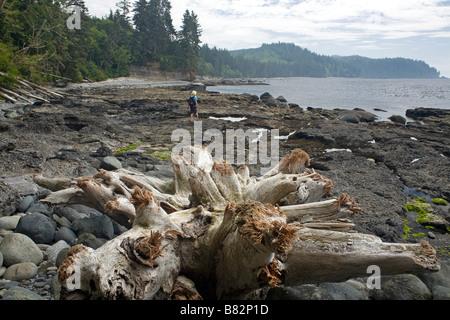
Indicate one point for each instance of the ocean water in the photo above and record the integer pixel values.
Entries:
(394, 96)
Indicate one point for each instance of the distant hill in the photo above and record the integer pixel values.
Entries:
(290, 60)
(390, 67)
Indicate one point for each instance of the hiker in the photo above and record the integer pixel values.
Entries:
(193, 101)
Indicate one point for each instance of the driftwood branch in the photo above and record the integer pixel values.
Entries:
(14, 94)
(27, 91)
(2, 4)
(219, 234)
(7, 97)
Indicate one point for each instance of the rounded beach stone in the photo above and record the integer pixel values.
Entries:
(343, 291)
(110, 163)
(53, 251)
(61, 256)
(70, 213)
(18, 248)
(2, 271)
(350, 118)
(21, 271)
(66, 234)
(89, 240)
(402, 287)
(303, 292)
(104, 227)
(19, 293)
(9, 223)
(101, 227)
(40, 208)
(38, 227)
(25, 204)
(397, 119)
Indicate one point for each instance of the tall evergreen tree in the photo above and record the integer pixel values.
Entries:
(167, 19)
(124, 7)
(140, 20)
(190, 41)
(154, 27)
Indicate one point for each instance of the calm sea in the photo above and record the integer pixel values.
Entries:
(394, 96)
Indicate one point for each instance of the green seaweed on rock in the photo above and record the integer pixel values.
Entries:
(439, 201)
(129, 148)
(424, 212)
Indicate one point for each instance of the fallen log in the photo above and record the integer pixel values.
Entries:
(32, 96)
(41, 89)
(23, 91)
(331, 256)
(233, 236)
(7, 97)
(16, 95)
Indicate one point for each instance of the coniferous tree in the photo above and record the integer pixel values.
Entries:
(141, 23)
(124, 8)
(190, 41)
(155, 30)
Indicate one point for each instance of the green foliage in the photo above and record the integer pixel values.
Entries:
(7, 67)
(35, 42)
(440, 202)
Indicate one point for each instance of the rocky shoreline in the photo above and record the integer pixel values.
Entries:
(382, 165)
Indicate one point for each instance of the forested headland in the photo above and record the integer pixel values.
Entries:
(289, 60)
(39, 43)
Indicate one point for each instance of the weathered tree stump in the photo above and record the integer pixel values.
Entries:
(214, 233)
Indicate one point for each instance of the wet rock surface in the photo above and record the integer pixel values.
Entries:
(381, 165)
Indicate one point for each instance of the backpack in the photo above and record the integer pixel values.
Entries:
(191, 100)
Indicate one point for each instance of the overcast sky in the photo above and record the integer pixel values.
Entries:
(416, 29)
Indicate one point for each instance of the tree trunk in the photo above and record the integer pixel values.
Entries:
(222, 234)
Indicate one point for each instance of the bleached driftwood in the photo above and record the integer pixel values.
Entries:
(331, 256)
(222, 234)
(26, 90)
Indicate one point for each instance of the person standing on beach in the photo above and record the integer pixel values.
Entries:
(193, 102)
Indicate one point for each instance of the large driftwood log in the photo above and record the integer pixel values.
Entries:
(218, 233)
(331, 256)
